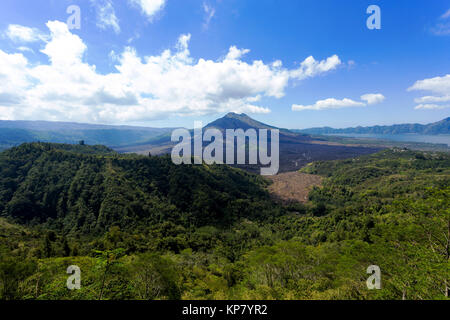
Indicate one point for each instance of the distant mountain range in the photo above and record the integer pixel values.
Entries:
(157, 140)
(13, 133)
(440, 127)
(296, 149)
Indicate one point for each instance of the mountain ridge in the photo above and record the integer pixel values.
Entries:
(235, 121)
(13, 133)
(434, 128)
(296, 149)
(43, 125)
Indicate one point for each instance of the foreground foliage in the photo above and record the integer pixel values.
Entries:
(143, 228)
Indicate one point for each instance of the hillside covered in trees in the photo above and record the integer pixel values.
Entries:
(142, 228)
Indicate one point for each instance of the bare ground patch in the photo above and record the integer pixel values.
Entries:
(293, 186)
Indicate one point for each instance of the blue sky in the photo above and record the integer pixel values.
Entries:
(357, 76)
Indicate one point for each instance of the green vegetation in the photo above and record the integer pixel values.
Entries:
(142, 228)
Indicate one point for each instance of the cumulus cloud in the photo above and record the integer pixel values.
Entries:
(15, 82)
(438, 86)
(106, 15)
(149, 7)
(140, 88)
(18, 33)
(310, 67)
(234, 53)
(373, 98)
(332, 103)
(64, 48)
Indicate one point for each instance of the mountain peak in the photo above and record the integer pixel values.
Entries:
(235, 115)
(234, 120)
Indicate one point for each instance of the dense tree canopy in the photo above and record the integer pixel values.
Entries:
(142, 228)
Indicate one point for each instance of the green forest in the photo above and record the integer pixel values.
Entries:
(142, 228)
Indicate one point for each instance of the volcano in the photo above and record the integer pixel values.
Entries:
(296, 149)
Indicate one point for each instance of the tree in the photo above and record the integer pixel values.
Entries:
(106, 261)
(433, 216)
(155, 277)
(47, 249)
(66, 247)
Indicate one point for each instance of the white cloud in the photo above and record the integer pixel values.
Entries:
(15, 82)
(19, 33)
(310, 67)
(431, 107)
(235, 53)
(439, 86)
(25, 49)
(373, 98)
(209, 14)
(106, 15)
(432, 99)
(64, 48)
(183, 43)
(140, 88)
(149, 7)
(332, 103)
